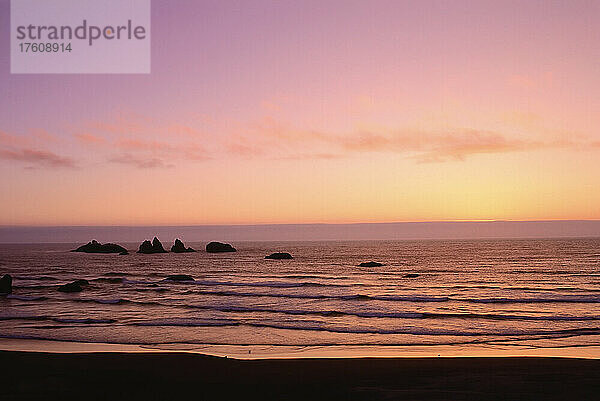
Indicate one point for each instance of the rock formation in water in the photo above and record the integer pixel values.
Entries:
(217, 247)
(180, 277)
(75, 286)
(411, 275)
(371, 264)
(178, 247)
(6, 284)
(95, 247)
(151, 247)
(145, 247)
(279, 256)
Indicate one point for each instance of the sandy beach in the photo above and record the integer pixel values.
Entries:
(33, 375)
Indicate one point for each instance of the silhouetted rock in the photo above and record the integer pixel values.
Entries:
(157, 246)
(371, 264)
(95, 247)
(411, 275)
(75, 286)
(216, 247)
(178, 247)
(279, 256)
(180, 277)
(145, 247)
(123, 253)
(151, 247)
(6, 284)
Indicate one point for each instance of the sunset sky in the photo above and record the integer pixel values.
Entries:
(317, 111)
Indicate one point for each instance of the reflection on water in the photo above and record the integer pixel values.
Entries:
(513, 297)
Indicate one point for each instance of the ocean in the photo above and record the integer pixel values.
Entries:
(463, 297)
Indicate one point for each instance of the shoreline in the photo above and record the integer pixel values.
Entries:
(262, 352)
(170, 375)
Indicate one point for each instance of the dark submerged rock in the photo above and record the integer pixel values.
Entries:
(6, 284)
(75, 286)
(412, 275)
(180, 277)
(151, 247)
(95, 247)
(178, 247)
(217, 247)
(112, 280)
(71, 287)
(279, 256)
(371, 264)
(123, 253)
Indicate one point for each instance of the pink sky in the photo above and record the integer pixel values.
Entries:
(317, 111)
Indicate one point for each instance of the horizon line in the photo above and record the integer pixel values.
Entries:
(298, 224)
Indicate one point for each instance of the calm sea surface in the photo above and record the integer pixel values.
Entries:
(495, 293)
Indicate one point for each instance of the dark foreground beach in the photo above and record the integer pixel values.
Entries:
(155, 376)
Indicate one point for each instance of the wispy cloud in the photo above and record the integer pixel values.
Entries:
(310, 156)
(37, 157)
(25, 150)
(140, 162)
(437, 147)
(87, 138)
(142, 145)
(275, 139)
(132, 140)
(162, 150)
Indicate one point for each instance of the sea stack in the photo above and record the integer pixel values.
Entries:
(95, 247)
(279, 256)
(6, 284)
(371, 264)
(218, 247)
(178, 247)
(151, 247)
